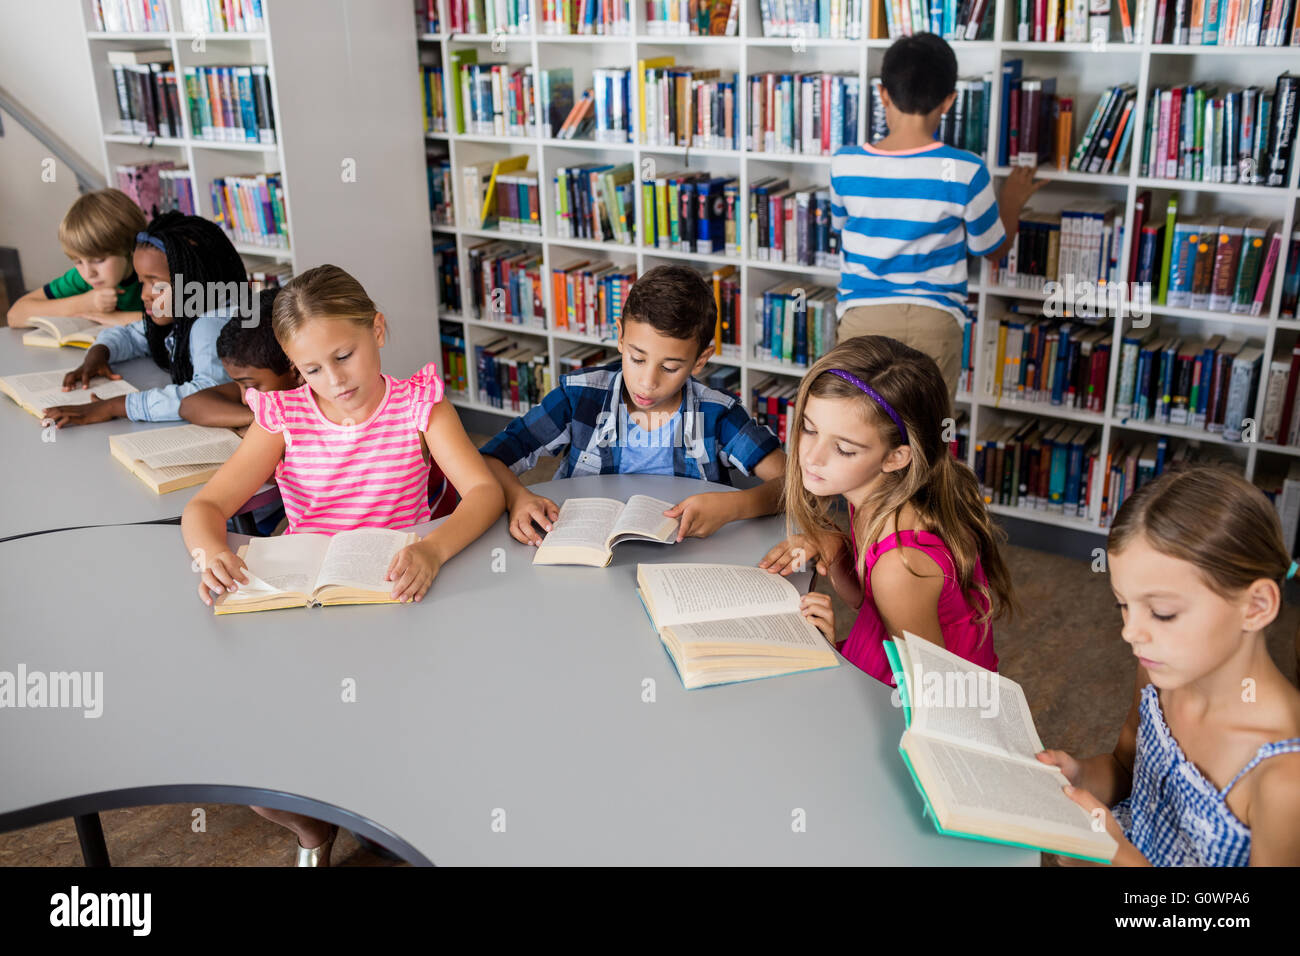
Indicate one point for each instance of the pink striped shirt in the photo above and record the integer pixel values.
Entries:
(339, 477)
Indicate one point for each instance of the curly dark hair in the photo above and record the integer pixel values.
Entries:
(254, 345)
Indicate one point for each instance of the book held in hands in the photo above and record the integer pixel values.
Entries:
(969, 745)
(314, 570)
(723, 623)
(588, 529)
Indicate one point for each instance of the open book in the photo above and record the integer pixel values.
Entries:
(51, 331)
(722, 623)
(969, 745)
(312, 570)
(35, 391)
(167, 459)
(588, 528)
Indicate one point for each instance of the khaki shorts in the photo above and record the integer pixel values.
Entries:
(925, 328)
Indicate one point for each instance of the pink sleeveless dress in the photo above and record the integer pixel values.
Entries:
(957, 616)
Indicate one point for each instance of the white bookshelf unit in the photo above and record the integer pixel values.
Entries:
(348, 169)
(1083, 70)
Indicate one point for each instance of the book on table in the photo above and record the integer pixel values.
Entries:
(168, 459)
(36, 391)
(52, 331)
(314, 570)
(587, 529)
(723, 623)
(969, 745)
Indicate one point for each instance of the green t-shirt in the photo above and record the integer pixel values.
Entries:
(71, 283)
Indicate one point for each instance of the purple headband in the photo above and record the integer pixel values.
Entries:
(854, 380)
(151, 240)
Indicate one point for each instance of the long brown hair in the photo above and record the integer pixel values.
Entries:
(1212, 518)
(942, 490)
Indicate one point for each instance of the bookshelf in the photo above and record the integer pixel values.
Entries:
(1083, 70)
(347, 168)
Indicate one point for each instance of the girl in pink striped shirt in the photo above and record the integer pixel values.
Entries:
(350, 449)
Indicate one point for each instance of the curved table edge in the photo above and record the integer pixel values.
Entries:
(156, 794)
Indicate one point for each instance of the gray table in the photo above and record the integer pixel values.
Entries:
(73, 481)
(508, 696)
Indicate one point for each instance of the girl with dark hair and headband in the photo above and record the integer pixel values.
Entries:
(178, 331)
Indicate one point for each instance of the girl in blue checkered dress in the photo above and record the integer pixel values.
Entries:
(1207, 768)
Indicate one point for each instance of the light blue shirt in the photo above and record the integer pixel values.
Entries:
(650, 452)
(125, 342)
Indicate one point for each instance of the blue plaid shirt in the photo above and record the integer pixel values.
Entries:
(585, 420)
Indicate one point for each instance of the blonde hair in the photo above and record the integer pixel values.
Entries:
(101, 223)
(1212, 518)
(942, 490)
(325, 292)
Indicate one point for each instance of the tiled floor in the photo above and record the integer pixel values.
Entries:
(1064, 650)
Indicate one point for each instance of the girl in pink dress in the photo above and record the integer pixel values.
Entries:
(922, 553)
(351, 448)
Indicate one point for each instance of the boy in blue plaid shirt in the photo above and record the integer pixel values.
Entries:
(645, 414)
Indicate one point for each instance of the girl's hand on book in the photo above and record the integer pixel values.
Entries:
(794, 554)
(701, 514)
(1102, 819)
(1062, 761)
(94, 365)
(816, 607)
(412, 570)
(224, 573)
(527, 513)
(99, 410)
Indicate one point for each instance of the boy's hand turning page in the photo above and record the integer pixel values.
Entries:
(588, 528)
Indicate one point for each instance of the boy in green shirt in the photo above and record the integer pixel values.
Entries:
(98, 235)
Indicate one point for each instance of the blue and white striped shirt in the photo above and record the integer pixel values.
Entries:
(907, 221)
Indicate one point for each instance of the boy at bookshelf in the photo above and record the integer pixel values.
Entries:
(910, 209)
(98, 234)
(645, 414)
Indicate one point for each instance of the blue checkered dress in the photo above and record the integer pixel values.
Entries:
(1174, 816)
(585, 420)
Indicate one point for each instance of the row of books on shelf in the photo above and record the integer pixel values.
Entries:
(230, 104)
(807, 113)
(687, 105)
(1073, 21)
(1200, 134)
(156, 187)
(148, 94)
(794, 322)
(1050, 466)
(431, 94)
(558, 17)
(950, 19)
(595, 201)
(1227, 23)
(1168, 379)
(222, 16)
(251, 209)
(446, 263)
(1033, 120)
(1083, 241)
(511, 375)
(455, 373)
(1106, 138)
(692, 17)
(1219, 264)
(131, 16)
(1036, 359)
(437, 166)
(588, 296)
(506, 279)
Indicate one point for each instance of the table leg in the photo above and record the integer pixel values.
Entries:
(91, 834)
